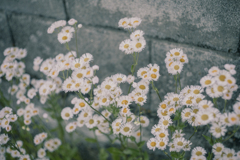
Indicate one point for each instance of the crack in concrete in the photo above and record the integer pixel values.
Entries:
(65, 10)
(10, 29)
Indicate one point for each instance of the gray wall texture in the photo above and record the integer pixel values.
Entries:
(208, 31)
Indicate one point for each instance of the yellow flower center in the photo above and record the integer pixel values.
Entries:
(138, 45)
(64, 38)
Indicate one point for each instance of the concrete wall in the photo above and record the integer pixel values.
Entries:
(208, 31)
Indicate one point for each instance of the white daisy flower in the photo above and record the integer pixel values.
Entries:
(217, 130)
(126, 46)
(68, 29)
(135, 21)
(139, 45)
(217, 149)
(186, 114)
(152, 143)
(41, 153)
(21, 53)
(119, 78)
(176, 67)
(130, 79)
(72, 21)
(233, 119)
(124, 101)
(165, 121)
(162, 135)
(198, 151)
(66, 113)
(64, 37)
(214, 71)
(70, 127)
(91, 122)
(162, 144)
(222, 77)
(136, 35)
(123, 23)
(163, 113)
(126, 129)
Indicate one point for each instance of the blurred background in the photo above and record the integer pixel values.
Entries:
(208, 31)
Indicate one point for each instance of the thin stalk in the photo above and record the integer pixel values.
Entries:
(195, 130)
(231, 134)
(96, 139)
(75, 26)
(175, 78)
(179, 82)
(225, 104)
(156, 90)
(139, 114)
(167, 155)
(135, 56)
(80, 95)
(215, 102)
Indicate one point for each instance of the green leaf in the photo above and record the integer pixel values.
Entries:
(133, 139)
(127, 151)
(181, 126)
(103, 155)
(209, 157)
(113, 150)
(146, 156)
(174, 154)
(91, 140)
(209, 139)
(132, 68)
(140, 144)
(172, 128)
(114, 140)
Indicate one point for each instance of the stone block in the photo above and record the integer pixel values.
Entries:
(5, 38)
(50, 8)
(208, 23)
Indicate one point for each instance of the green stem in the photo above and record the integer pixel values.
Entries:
(225, 104)
(179, 82)
(195, 130)
(231, 134)
(139, 114)
(215, 102)
(80, 95)
(96, 139)
(167, 155)
(156, 90)
(75, 26)
(134, 67)
(175, 78)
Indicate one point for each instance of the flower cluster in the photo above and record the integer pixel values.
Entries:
(50, 145)
(20, 152)
(11, 66)
(65, 33)
(220, 83)
(175, 60)
(136, 43)
(6, 116)
(28, 113)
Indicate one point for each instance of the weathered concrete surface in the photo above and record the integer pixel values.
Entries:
(5, 38)
(31, 32)
(50, 8)
(211, 23)
(200, 61)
